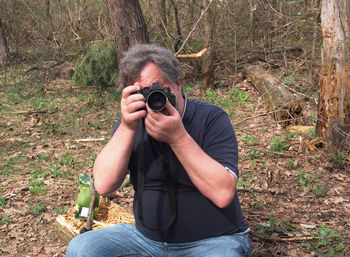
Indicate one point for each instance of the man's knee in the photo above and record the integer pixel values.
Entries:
(80, 246)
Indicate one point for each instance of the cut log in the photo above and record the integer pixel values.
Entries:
(285, 106)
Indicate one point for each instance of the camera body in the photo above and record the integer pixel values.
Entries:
(156, 96)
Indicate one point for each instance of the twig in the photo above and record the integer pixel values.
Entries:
(36, 112)
(90, 139)
(196, 55)
(259, 190)
(280, 50)
(290, 239)
(264, 114)
(165, 29)
(253, 117)
(102, 224)
(270, 239)
(56, 64)
(269, 152)
(194, 27)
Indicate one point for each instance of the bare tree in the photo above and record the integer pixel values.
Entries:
(4, 50)
(208, 68)
(334, 103)
(178, 37)
(129, 24)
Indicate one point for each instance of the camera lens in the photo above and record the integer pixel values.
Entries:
(156, 100)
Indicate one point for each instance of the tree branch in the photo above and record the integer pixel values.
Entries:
(194, 27)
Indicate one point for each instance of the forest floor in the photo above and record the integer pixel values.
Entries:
(295, 195)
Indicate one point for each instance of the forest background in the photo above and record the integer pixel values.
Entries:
(59, 104)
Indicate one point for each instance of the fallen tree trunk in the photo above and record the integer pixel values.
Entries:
(285, 106)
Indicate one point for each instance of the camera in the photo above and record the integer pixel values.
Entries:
(156, 96)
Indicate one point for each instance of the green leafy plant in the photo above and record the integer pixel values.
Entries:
(42, 156)
(5, 219)
(339, 158)
(212, 96)
(291, 164)
(238, 96)
(55, 171)
(313, 118)
(249, 139)
(232, 98)
(67, 160)
(276, 226)
(254, 154)
(2, 201)
(35, 210)
(279, 144)
(38, 174)
(326, 242)
(243, 181)
(319, 190)
(305, 179)
(61, 210)
(58, 171)
(99, 65)
(37, 187)
(288, 81)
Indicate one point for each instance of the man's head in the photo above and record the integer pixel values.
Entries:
(136, 58)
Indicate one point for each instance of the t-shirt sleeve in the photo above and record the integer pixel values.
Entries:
(219, 140)
(116, 125)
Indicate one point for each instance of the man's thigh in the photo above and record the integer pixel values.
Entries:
(118, 240)
(235, 245)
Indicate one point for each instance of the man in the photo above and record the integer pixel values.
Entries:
(182, 163)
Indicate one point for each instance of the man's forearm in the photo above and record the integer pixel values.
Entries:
(208, 175)
(111, 164)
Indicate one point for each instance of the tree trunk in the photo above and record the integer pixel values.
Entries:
(163, 12)
(4, 50)
(315, 7)
(334, 103)
(208, 69)
(178, 37)
(129, 24)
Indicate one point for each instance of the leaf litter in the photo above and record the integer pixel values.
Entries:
(293, 195)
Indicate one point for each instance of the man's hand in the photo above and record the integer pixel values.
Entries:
(132, 107)
(167, 128)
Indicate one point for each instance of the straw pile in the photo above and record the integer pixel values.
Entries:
(109, 213)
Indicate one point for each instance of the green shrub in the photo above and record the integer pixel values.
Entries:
(98, 65)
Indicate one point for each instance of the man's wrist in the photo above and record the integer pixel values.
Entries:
(127, 130)
(181, 141)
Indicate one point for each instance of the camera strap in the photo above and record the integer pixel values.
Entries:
(141, 177)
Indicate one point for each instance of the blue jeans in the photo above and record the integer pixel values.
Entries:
(125, 240)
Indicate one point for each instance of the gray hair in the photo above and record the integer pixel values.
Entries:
(139, 55)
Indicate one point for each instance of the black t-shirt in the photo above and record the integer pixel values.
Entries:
(197, 217)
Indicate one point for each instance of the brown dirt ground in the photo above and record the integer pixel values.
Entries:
(276, 204)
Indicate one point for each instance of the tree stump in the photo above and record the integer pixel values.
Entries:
(285, 106)
(63, 71)
(339, 136)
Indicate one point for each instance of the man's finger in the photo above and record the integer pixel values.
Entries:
(170, 108)
(130, 89)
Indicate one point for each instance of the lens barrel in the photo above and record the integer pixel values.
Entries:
(156, 100)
